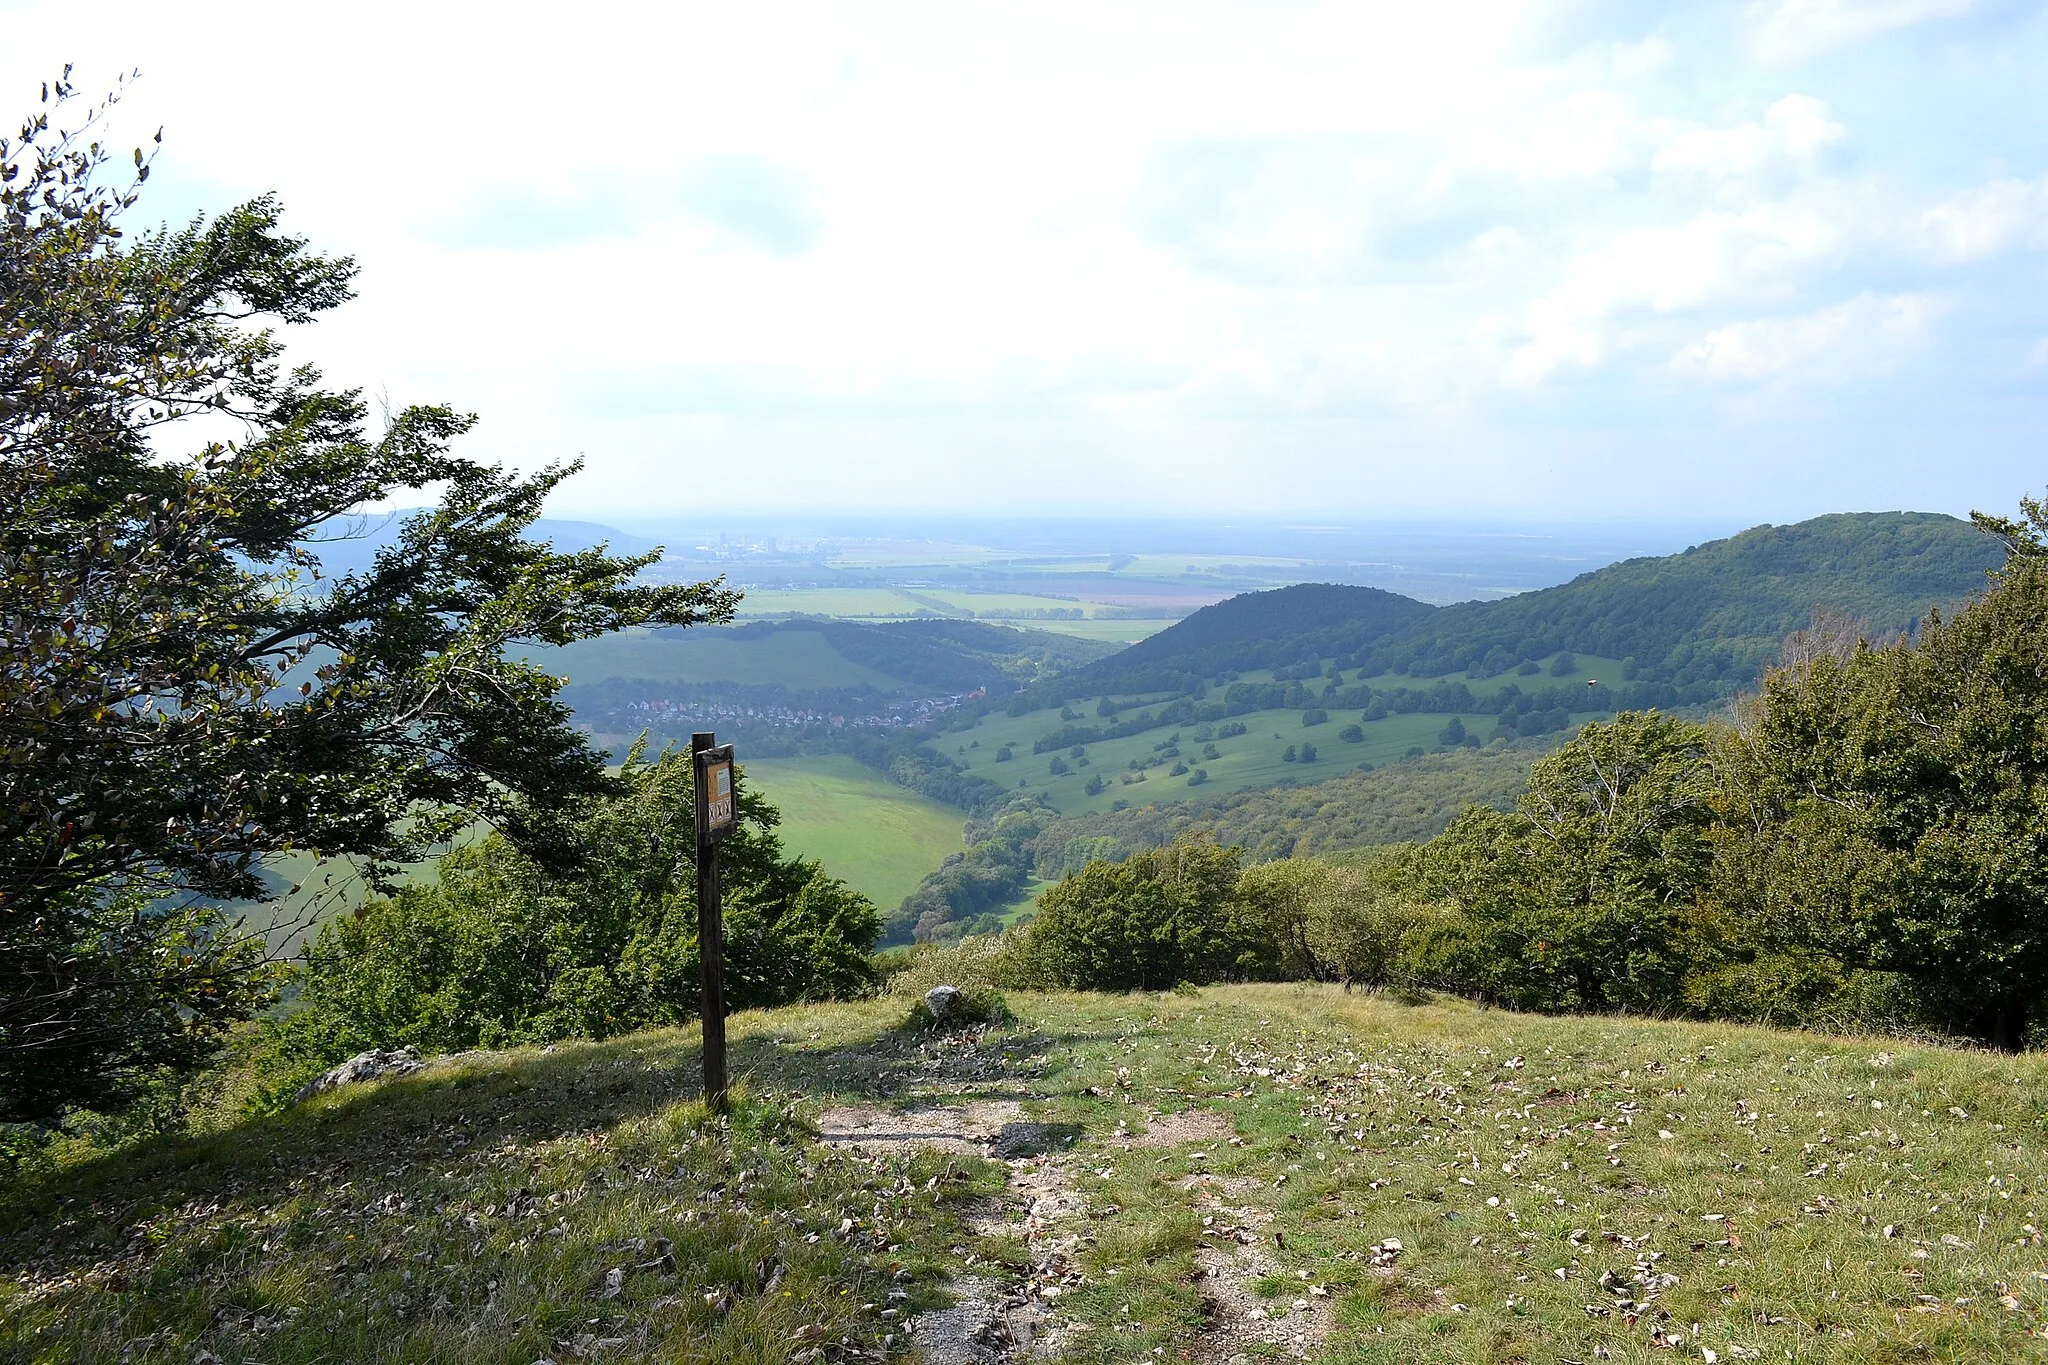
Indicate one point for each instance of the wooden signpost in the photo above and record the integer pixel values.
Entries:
(716, 818)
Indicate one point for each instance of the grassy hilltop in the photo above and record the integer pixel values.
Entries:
(1389, 1182)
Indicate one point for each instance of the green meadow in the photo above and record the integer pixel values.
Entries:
(877, 837)
(1226, 1171)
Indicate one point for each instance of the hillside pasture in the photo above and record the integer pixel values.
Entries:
(870, 833)
(1587, 667)
(1244, 762)
(1266, 1171)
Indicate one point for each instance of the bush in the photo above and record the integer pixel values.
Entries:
(499, 950)
(981, 964)
(1165, 916)
(1334, 923)
(1315, 715)
(974, 1007)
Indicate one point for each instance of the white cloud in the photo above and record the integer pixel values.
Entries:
(1717, 256)
(672, 236)
(1787, 30)
(1643, 58)
(1987, 220)
(1797, 128)
(1859, 338)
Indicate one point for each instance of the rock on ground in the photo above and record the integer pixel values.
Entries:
(376, 1064)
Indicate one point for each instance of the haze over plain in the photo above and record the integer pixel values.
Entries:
(1567, 260)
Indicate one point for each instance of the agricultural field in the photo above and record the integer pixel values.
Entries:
(875, 836)
(1270, 1172)
(900, 604)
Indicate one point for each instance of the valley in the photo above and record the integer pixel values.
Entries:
(881, 694)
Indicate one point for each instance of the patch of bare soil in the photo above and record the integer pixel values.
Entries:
(1232, 1257)
(969, 1129)
(973, 1331)
(1239, 1321)
(990, 1324)
(1178, 1130)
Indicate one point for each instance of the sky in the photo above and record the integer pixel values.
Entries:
(1748, 260)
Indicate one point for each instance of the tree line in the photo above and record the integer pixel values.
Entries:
(1865, 843)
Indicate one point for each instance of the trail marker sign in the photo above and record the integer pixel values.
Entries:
(716, 818)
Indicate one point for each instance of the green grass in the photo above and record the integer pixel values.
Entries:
(1245, 762)
(1590, 667)
(1760, 1194)
(866, 830)
(797, 659)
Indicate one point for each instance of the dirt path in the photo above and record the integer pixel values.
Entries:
(990, 1323)
(998, 1324)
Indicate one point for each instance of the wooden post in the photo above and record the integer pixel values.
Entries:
(714, 822)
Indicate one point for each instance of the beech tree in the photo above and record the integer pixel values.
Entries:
(183, 688)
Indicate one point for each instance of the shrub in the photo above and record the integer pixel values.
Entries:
(1165, 916)
(500, 950)
(982, 963)
(980, 1006)
(1334, 923)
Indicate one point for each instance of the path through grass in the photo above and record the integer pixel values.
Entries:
(1462, 1185)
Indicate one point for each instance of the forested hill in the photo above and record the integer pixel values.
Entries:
(1698, 624)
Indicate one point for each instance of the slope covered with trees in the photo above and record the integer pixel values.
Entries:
(1698, 625)
(1866, 843)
